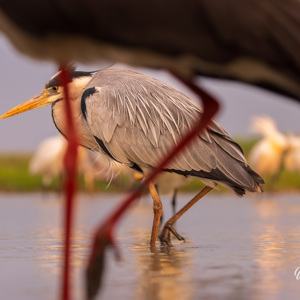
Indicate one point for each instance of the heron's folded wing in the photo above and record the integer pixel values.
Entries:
(137, 120)
(141, 130)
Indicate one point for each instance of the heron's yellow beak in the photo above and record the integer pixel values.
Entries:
(37, 101)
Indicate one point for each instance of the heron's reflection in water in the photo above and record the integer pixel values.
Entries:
(162, 273)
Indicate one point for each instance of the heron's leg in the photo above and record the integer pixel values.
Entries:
(162, 213)
(164, 236)
(174, 201)
(157, 209)
(161, 219)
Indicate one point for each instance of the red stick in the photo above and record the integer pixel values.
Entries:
(70, 183)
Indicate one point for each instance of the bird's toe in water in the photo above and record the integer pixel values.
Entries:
(177, 235)
(165, 236)
(165, 239)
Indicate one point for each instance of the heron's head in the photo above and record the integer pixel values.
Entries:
(52, 92)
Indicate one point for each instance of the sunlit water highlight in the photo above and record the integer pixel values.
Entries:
(235, 248)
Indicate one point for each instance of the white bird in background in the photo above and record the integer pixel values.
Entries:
(292, 156)
(48, 162)
(48, 159)
(266, 156)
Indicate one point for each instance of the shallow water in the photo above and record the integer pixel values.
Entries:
(236, 248)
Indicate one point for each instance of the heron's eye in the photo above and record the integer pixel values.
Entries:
(54, 88)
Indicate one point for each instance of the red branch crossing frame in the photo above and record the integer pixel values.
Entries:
(70, 160)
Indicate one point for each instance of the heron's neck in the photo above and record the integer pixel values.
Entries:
(86, 139)
(59, 115)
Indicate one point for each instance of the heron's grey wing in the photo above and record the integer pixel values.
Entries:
(141, 132)
(137, 122)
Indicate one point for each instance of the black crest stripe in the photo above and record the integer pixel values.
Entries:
(55, 81)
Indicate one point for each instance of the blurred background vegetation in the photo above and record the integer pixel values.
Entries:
(15, 177)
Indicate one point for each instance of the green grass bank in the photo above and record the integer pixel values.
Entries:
(15, 177)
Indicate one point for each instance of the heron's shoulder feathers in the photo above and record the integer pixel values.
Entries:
(138, 100)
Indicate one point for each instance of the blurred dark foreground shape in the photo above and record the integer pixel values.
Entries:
(252, 41)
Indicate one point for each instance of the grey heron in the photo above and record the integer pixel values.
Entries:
(135, 120)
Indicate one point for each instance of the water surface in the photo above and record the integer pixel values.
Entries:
(236, 248)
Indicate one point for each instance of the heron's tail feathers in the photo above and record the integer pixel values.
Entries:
(257, 180)
(240, 191)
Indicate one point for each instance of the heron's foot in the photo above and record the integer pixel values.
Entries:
(165, 235)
